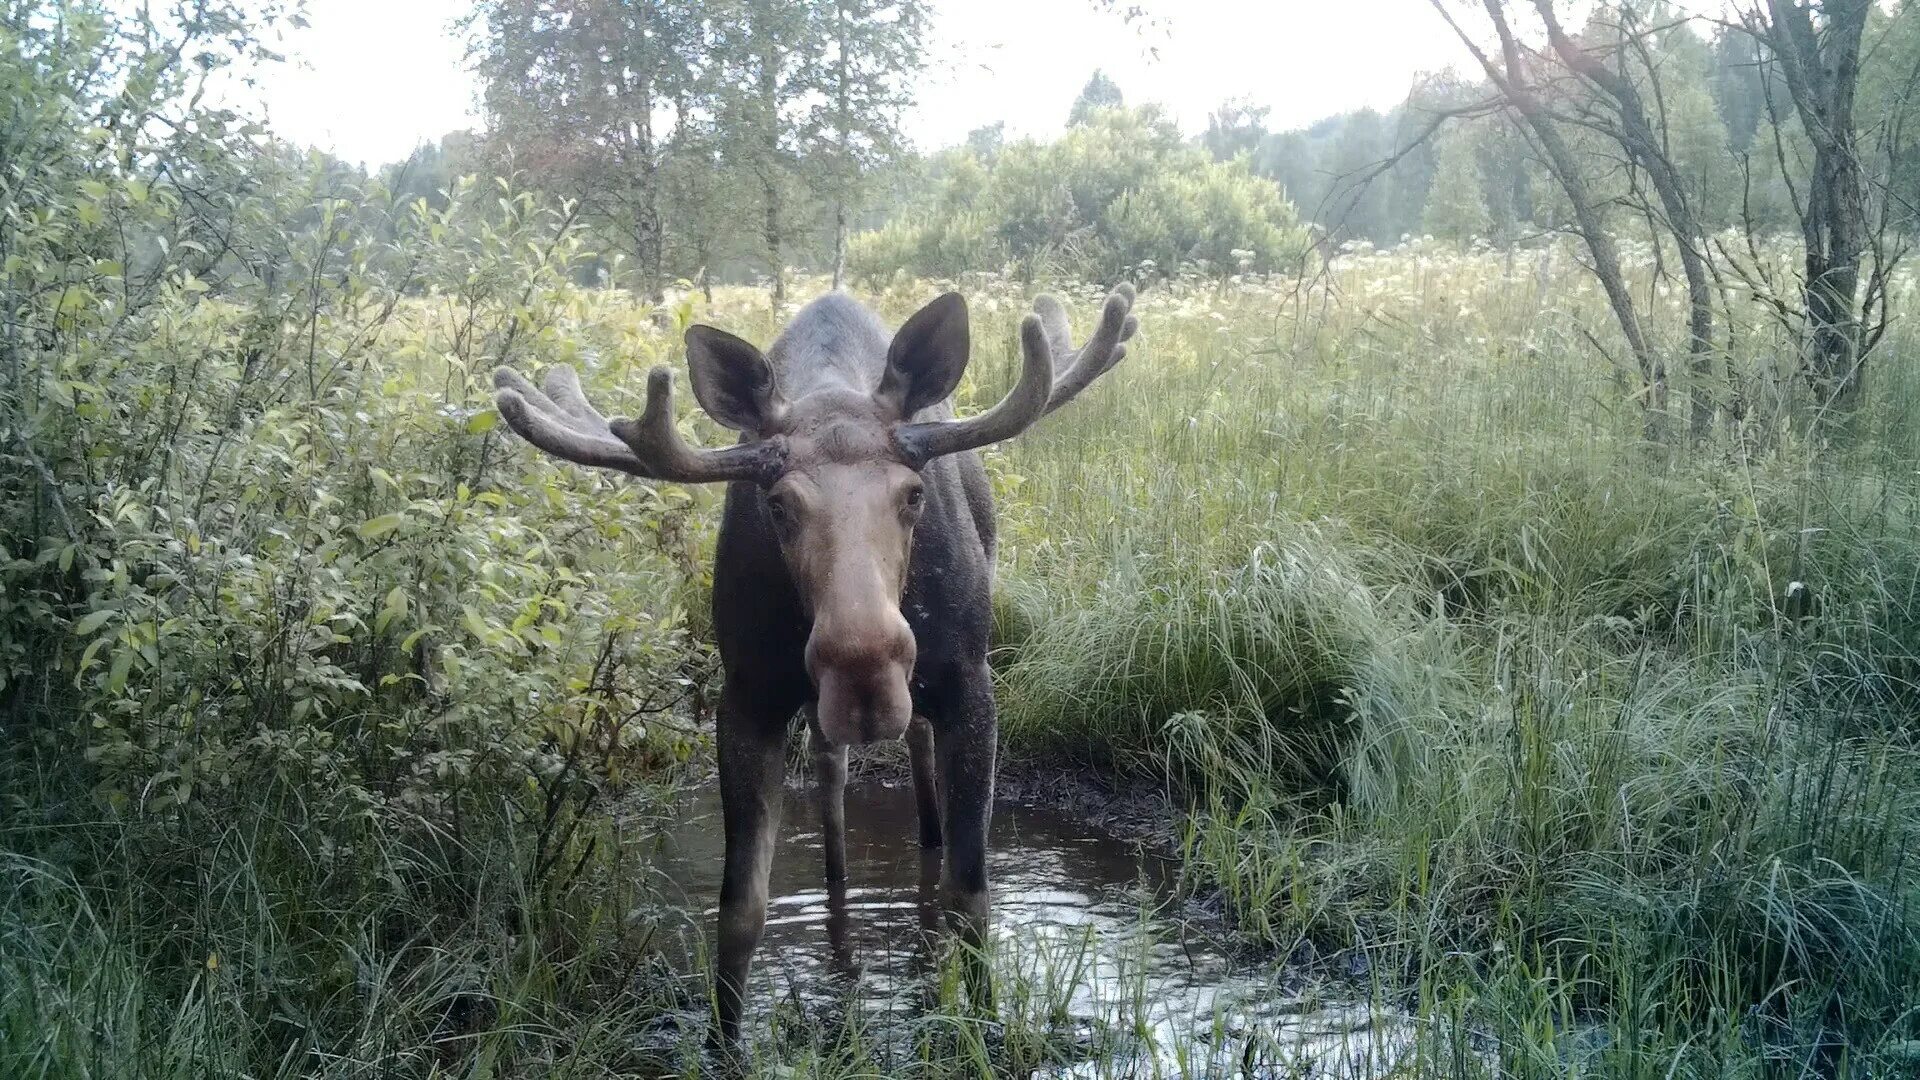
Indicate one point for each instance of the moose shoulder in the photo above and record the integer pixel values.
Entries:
(853, 573)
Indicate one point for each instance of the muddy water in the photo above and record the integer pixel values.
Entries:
(1083, 937)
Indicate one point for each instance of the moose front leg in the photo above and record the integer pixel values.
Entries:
(964, 746)
(926, 789)
(752, 752)
(830, 785)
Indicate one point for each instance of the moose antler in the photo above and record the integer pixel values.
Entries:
(563, 423)
(1025, 403)
(1044, 335)
(1106, 348)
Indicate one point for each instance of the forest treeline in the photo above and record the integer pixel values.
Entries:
(758, 137)
(736, 141)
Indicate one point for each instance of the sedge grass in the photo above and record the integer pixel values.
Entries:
(1599, 752)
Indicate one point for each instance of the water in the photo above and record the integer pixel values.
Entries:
(1083, 945)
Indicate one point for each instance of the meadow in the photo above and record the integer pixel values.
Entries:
(1599, 752)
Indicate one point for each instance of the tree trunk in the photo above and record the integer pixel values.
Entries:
(1821, 70)
(1645, 148)
(653, 274)
(646, 237)
(621, 73)
(775, 229)
(776, 260)
(839, 242)
(1519, 95)
(844, 117)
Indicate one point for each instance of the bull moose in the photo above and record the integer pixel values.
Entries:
(852, 576)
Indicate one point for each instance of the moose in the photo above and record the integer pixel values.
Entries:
(854, 566)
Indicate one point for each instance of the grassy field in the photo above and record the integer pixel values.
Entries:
(1600, 752)
(1559, 725)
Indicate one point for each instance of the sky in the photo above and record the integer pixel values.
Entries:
(369, 80)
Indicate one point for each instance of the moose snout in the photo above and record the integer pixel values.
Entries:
(861, 679)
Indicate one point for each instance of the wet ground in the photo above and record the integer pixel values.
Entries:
(1086, 940)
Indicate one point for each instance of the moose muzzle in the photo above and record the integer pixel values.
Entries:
(861, 676)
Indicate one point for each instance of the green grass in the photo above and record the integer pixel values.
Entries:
(1463, 673)
(1599, 753)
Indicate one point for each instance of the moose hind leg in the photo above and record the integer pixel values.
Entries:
(752, 755)
(926, 788)
(830, 782)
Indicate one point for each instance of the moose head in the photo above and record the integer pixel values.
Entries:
(838, 466)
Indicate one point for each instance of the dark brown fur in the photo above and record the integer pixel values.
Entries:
(853, 575)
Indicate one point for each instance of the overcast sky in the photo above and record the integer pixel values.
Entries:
(371, 79)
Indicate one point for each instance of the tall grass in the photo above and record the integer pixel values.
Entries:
(1574, 730)
(1597, 754)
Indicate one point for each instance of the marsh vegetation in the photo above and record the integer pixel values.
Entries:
(346, 736)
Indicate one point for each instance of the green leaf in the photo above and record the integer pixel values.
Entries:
(375, 528)
(117, 676)
(482, 421)
(394, 608)
(93, 621)
(86, 658)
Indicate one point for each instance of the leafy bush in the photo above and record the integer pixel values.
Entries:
(1121, 195)
(313, 679)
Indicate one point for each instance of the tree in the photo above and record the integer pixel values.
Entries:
(985, 142)
(1235, 128)
(1603, 61)
(866, 84)
(761, 59)
(1356, 207)
(1122, 195)
(1409, 179)
(1457, 210)
(1100, 92)
(429, 172)
(1818, 61)
(1737, 90)
(1520, 84)
(578, 90)
(1886, 108)
(702, 193)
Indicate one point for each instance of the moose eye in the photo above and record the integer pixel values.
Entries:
(915, 498)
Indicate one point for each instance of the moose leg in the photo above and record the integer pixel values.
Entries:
(752, 747)
(965, 746)
(830, 779)
(926, 789)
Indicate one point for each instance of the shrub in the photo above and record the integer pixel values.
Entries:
(1120, 195)
(316, 688)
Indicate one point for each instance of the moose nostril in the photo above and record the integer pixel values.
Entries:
(860, 670)
(875, 650)
(862, 707)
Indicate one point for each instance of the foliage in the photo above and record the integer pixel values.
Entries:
(1718, 98)
(335, 726)
(311, 681)
(711, 137)
(1119, 195)
(1463, 677)
(1100, 93)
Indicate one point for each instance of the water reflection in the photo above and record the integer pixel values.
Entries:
(1072, 920)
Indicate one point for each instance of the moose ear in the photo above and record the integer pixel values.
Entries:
(927, 357)
(733, 381)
